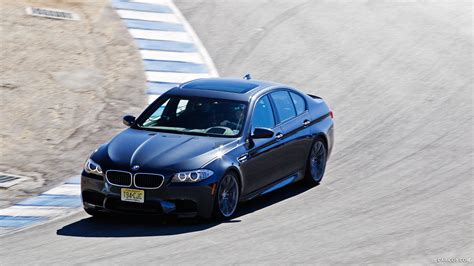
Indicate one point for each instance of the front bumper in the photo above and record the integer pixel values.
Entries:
(180, 199)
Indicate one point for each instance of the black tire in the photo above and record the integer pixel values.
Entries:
(227, 197)
(316, 164)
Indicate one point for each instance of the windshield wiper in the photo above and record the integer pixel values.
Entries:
(185, 132)
(159, 129)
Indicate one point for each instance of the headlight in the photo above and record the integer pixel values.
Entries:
(192, 176)
(92, 167)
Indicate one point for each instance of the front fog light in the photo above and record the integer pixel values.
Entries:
(92, 167)
(192, 176)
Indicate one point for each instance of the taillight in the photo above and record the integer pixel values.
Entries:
(331, 114)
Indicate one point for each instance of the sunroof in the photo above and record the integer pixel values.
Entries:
(235, 86)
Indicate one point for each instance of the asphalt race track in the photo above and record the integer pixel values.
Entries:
(399, 186)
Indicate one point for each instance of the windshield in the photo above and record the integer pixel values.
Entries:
(195, 115)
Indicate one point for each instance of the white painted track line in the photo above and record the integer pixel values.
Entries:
(207, 58)
(35, 211)
(160, 35)
(188, 36)
(57, 202)
(150, 16)
(172, 56)
(173, 77)
(156, 2)
(65, 189)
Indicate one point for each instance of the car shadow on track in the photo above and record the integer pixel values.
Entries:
(139, 226)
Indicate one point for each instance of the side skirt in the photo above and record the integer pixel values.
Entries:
(274, 186)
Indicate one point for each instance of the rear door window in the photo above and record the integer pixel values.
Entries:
(283, 105)
(299, 102)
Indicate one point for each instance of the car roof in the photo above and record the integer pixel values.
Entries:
(226, 88)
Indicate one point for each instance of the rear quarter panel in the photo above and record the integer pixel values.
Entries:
(325, 127)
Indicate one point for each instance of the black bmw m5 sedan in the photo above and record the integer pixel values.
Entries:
(208, 144)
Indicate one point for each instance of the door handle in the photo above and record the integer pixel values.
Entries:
(243, 158)
(279, 136)
(306, 123)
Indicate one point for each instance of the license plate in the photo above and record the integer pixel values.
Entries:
(132, 195)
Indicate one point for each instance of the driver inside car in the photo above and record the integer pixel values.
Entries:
(235, 119)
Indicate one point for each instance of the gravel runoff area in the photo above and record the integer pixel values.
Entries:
(64, 87)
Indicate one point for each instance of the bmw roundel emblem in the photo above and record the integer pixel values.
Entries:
(135, 167)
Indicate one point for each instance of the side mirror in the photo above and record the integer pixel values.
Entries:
(128, 120)
(262, 133)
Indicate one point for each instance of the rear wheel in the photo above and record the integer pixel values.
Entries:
(316, 162)
(227, 197)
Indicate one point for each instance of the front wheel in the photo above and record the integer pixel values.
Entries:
(227, 197)
(316, 163)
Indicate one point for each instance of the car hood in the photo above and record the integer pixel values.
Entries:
(156, 150)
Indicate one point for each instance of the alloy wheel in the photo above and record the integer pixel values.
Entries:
(228, 195)
(317, 161)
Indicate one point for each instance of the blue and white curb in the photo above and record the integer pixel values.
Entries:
(57, 202)
(171, 51)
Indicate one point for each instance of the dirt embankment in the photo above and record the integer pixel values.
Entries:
(63, 89)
